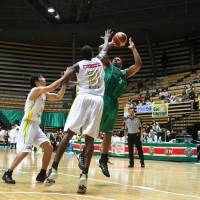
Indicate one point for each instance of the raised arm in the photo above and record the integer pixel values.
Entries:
(133, 69)
(70, 71)
(105, 46)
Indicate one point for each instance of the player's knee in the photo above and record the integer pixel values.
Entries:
(47, 147)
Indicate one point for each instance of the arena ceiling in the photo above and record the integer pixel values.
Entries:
(28, 20)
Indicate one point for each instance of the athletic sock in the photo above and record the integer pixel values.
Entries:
(55, 165)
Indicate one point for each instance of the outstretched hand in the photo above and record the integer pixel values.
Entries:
(131, 43)
(107, 34)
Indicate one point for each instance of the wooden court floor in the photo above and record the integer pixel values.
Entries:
(158, 181)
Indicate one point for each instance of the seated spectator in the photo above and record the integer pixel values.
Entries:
(185, 95)
(139, 103)
(165, 93)
(139, 98)
(168, 137)
(155, 138)
(156, 126)
(149, 102)
(147, 96)
(151, 136)
(192, 94)
(171, 98)
(6, 139)
(145, 135)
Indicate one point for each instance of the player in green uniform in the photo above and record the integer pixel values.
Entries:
(115, 86)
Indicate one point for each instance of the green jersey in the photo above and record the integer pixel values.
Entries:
(115, 82)
(115, 85)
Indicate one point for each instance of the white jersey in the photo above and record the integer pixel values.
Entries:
(33, 109)
(91, 77)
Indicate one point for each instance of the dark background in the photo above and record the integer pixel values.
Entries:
(28, 20)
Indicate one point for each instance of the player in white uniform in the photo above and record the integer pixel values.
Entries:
(86, 111)
(30, 132)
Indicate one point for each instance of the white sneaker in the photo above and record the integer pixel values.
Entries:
(82, 186)
(51, 177)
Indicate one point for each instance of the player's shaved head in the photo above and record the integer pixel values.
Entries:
(87, 52)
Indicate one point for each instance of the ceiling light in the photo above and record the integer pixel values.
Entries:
(51, 10)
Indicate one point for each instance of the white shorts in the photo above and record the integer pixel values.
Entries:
(85, 114)
(30, 134)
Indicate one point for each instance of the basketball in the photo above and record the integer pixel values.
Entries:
(120, 39)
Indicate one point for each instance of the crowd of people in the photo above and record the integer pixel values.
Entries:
(164, 94)
(9, 137)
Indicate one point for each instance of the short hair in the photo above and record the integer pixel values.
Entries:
(34, 77)
(87, 52)
(132, 108)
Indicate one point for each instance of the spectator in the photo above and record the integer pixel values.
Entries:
(156, 127)
(192, 94)
(139, 98)
(13, 136)
(53, 141)
(6, 139)
(147, 96)
(150, 136)
(139, 103)
(145, 135)
(171, 98)
(165, 93)
(184, 95)
(148, 102)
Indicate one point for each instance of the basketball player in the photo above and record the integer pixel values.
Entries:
(115, 85)
(86, 111)
(30, 132)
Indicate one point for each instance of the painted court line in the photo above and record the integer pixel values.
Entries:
(138, 187)
(131, 186)
(56, 193)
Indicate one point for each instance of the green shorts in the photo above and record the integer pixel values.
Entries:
(109, 116)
